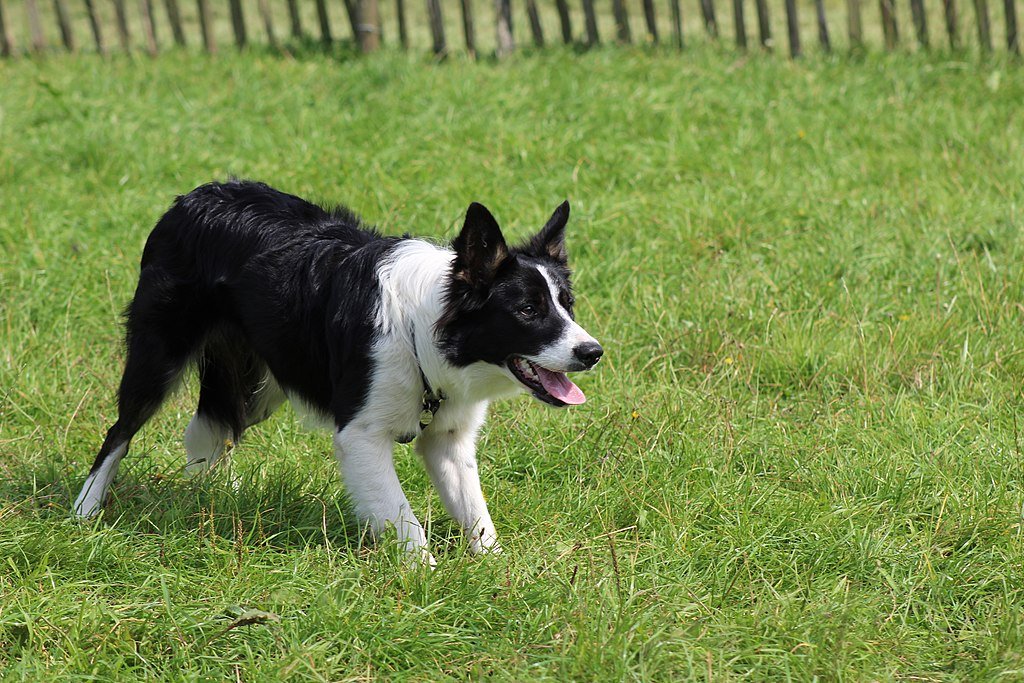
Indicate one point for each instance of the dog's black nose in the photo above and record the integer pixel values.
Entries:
(588, 353)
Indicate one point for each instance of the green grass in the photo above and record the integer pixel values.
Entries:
(800, 458)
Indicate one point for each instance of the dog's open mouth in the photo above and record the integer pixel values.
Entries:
(547, 385)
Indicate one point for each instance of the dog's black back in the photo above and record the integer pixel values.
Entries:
(240, 277)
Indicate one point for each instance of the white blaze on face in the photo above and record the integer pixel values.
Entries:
(559, 355)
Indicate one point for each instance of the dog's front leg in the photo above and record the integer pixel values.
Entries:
(450, 459)
(367, 467)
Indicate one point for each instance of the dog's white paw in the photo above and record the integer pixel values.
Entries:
(205, 442)
(86, 510)
(485, 542)
(97, 485)
(419, 557)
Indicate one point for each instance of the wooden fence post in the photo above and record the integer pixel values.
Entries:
(565, 19)
(920, 22)
(403, 30)
(793, 29)
(352, 9)
(238, 23)
(622, 32)
(206, 26)
(854, 27)
(6, 39)
(148, 26)
(984, 28)
(536, 30)
(437, 28)
(506, 42)
(94, 25)
(889, 27)
(325, 22)
(590, 19)
(949, 10)
(295, 19)
(707, 9)
(652, 20)
(123, 33)
(1012, 38)
(764, 26)
(268, 23)
(823, 38)
(468, 29)
(66, 36)
(677, 23)
(739, 24)
(369, 25)
(174, 17)
(35, 26)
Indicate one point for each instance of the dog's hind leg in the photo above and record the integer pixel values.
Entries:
(151, 371)
(165, 326)
(220, 416)
(236, 392)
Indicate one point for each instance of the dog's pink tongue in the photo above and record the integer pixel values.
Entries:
(560, 386)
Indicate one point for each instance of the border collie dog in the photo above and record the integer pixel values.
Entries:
(381, 339)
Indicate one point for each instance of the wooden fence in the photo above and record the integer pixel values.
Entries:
(38, 26)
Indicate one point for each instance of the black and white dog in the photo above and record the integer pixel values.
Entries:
(382, 339)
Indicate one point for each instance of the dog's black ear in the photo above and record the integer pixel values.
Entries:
(480, 248)
(550, 241)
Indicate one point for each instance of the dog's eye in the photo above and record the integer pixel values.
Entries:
(528, 311)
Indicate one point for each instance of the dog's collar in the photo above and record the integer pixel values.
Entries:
(432, 398)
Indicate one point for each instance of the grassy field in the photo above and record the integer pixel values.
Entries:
(800, 459)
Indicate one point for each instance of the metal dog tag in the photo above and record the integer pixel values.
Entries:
(426, 417)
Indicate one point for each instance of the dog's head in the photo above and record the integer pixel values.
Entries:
(512, 307)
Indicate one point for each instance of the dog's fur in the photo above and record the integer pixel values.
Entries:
(273, 298)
